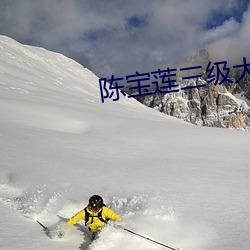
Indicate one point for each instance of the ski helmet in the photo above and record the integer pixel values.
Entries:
(95, 202)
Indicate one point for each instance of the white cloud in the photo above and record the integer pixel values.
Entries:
(228, 28)
(97, 32)
(235, 45)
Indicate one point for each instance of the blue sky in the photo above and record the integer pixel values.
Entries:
(218, 17)
(120, 37)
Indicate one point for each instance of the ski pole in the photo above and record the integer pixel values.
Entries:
(146, 238)
(45, 228)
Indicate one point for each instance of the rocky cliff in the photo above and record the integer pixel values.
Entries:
(224, 105)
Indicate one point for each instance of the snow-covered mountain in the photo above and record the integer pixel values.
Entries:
(213, 105)
(179, 184)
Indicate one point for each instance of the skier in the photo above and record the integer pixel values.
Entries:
(95, 214)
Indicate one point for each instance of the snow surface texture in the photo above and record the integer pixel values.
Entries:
(179, 184)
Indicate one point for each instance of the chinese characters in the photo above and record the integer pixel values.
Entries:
(164, 81)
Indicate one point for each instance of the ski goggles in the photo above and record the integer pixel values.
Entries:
(94, 208)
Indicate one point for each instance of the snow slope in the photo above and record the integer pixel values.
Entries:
(176, 183)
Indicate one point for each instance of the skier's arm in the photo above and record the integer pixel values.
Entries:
(77, 217)
(110, 214)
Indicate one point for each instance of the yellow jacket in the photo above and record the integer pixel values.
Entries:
(94, 223)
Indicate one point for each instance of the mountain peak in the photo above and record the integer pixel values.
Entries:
(214, 104)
